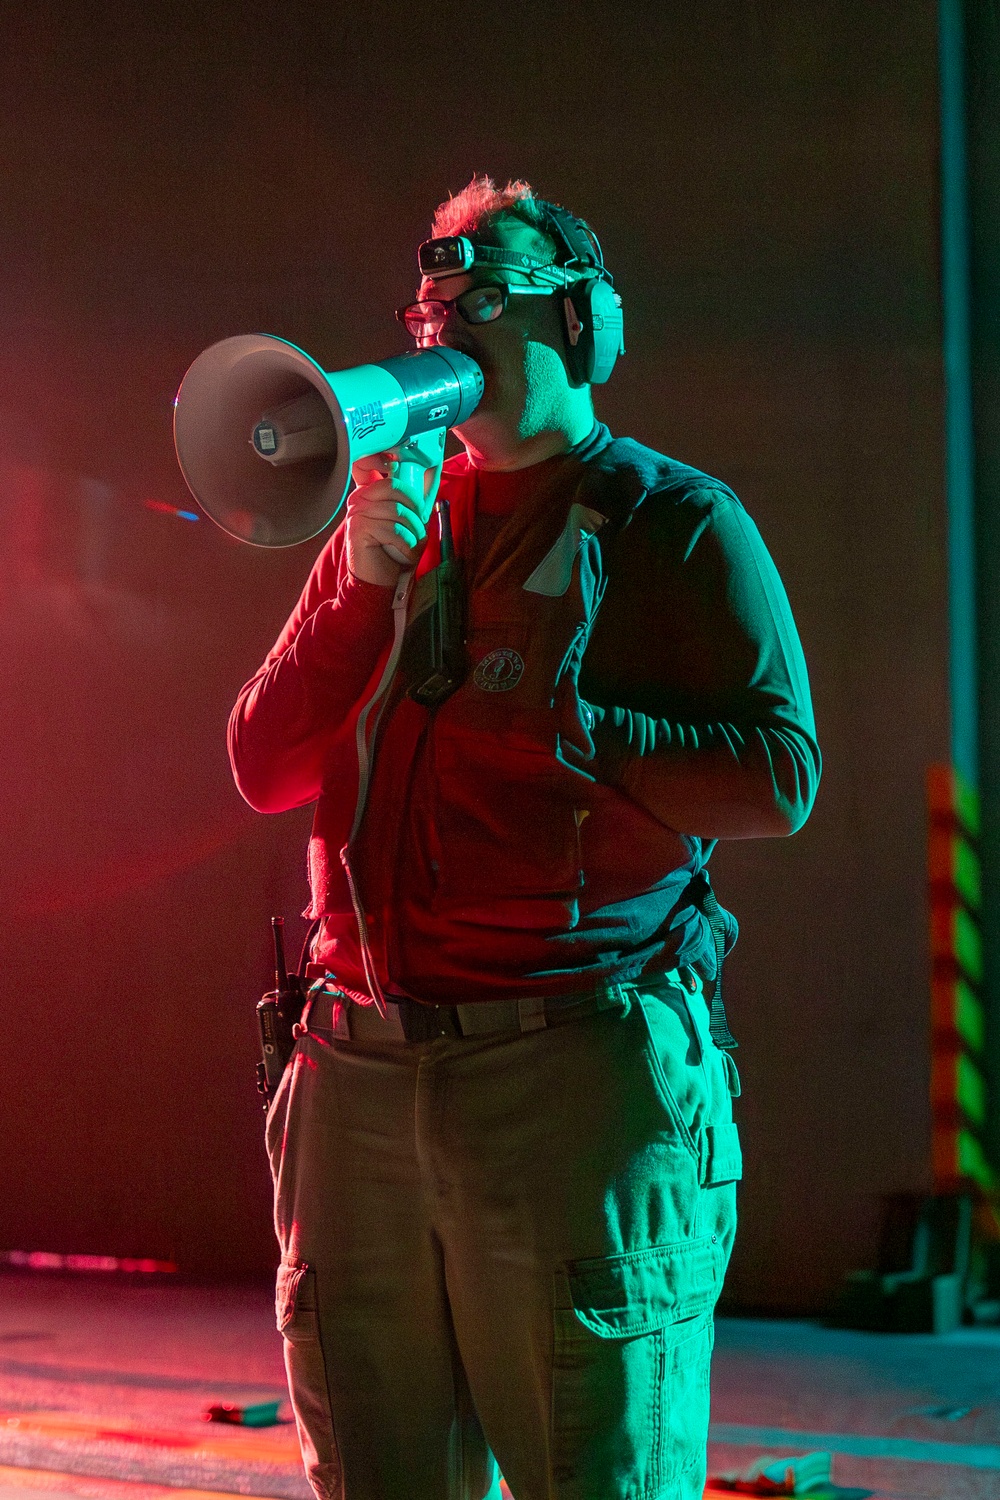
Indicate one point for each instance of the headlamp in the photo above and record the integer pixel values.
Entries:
(449, 256)
(454, 254)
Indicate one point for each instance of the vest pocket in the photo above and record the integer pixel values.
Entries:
(298, 1322)
(505, 830)
(631, 1370)
(515, 838)
(504, 835)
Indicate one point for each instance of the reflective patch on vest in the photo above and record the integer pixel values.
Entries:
(499, 671)
(554, 573)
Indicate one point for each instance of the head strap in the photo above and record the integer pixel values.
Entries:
(455, 255)
(584, 255)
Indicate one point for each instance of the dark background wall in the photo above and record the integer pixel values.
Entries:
(764, 177)
(983, 121)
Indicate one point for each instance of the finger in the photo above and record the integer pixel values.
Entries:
(373, 465)
(383, 460)
(385, 533)
(363, 521)
(386, 526)
(377, 490)
(387, 510)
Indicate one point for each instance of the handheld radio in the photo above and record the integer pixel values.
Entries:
(277, 1014)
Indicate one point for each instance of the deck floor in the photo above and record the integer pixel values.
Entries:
(103, 1382)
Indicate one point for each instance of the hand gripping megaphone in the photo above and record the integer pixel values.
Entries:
(266, 438)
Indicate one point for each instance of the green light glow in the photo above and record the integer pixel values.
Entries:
(972, 1162)
(968, 946)
(970, 1020)
(967, 873)
(970, 1088)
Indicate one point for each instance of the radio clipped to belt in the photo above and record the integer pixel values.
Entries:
(278, 1014)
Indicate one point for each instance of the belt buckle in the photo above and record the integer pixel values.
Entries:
(426, 1023)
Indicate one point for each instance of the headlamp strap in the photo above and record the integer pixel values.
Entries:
(509, 260)
(582, 244)
(454, 255)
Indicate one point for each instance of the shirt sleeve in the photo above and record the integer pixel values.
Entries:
(287, 715)
(697, 681)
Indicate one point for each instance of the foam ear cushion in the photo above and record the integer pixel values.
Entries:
(579, 334)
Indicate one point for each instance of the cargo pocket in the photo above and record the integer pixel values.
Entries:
(298, 1323)
(633, 1345)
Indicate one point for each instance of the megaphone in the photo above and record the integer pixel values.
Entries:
(265, 438)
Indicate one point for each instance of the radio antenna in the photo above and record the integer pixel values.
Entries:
(280, 967)
(443, 508)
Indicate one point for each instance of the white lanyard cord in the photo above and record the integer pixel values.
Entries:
(365, 742)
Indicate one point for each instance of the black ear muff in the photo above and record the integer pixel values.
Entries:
(592, 309)
(592, 313)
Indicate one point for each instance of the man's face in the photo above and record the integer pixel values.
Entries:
(520, 353)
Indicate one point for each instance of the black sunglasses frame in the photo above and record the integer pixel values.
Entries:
(447, 304)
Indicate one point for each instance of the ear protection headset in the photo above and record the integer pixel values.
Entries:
(592, 309)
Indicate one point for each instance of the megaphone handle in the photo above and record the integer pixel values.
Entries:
(412, 480)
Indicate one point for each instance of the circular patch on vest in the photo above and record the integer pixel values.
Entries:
(499, 671)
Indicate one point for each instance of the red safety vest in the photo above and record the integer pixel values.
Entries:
(481, 819)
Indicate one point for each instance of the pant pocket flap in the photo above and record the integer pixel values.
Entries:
(621, 1295)
(722, 1159)
(291, 1292)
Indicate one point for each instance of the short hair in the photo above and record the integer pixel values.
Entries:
(482, 204)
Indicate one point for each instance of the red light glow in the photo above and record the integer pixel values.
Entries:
(163, 509)
(45, 1260)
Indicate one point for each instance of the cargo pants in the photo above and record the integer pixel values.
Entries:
(505, 1253)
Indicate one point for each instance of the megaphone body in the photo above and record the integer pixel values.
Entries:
(266, 438)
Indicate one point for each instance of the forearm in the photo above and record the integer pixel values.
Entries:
(710, 779)
(287, 714)
(696, 676)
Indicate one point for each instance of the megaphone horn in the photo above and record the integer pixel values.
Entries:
(266, 439)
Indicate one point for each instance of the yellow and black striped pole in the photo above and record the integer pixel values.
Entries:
(958, 1023)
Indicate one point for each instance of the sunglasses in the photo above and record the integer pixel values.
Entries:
(480, 304)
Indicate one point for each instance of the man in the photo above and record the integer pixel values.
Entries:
(505, 1206)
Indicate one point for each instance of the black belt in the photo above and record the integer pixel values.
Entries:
(415, 1021)
(424, 1023)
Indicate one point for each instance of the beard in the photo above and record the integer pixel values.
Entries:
(535, 387)
(544, 390)
(526, 393)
